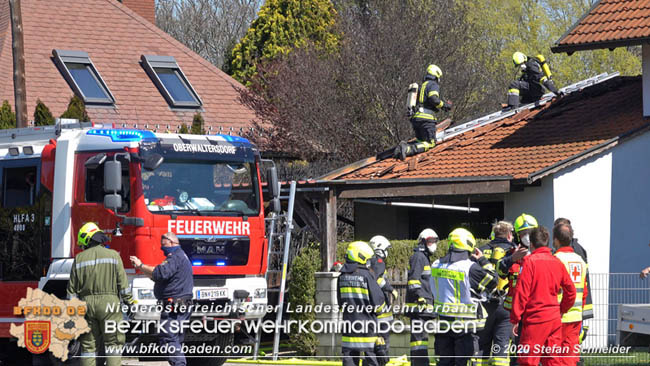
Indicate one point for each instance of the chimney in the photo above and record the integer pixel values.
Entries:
(645, 71)
(144, 8)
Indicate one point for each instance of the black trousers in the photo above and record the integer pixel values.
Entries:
(494, 339)
(425, 130)
(419, 343)
(528, 92)
(455, 348)
(352, 356)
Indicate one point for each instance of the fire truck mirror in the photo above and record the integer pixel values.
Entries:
(272, 182)
(113, 177)
(152, 162)
(95, 161)
(113, 201)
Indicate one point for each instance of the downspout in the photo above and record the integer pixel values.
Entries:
(18, 48)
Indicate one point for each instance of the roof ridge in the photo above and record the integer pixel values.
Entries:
(152, 27)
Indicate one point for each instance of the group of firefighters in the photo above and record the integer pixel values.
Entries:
(511, 301)
(535, 76)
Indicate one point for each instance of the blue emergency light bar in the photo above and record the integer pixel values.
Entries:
(197, 263)
(230, 138)
(221, 263)
(122, 135)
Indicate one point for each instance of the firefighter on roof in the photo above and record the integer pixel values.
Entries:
(357, 289)
(98, 278)
(461, 279)
(419, 298)
(378, 266)
(536, 74)
(427, 103)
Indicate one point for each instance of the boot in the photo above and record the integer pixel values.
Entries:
(513, 101)
(401, 151)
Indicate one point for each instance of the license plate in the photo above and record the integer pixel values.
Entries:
(212, 294)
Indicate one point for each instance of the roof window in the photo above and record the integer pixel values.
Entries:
(170, 80)
(82, 76)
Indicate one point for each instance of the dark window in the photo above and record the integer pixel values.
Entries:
(83, 77)
(19, 186)
(170, 80)
(95, 186)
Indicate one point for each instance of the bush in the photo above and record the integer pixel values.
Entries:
(302, 291)
(197, 125)
(183, 129)
(7, 116)
(42, 115)
(76, 109)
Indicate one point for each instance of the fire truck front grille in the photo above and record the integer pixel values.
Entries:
(217, 251)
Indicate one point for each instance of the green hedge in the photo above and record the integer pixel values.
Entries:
(401, 251)
(302, 291)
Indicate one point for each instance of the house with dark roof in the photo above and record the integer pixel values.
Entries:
(128, 72)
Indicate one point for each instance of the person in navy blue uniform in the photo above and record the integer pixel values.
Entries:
(173, 288)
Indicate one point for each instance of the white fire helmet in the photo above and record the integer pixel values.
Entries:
(380, 245)
(430, 239)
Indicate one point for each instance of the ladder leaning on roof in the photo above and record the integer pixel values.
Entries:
(280, 226)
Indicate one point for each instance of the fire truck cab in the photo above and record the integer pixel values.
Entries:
(136, 185)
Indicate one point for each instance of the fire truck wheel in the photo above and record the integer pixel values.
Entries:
(222, 341)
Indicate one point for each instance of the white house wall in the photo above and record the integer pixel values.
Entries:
(536, 201)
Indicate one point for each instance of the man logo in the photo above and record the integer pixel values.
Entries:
(37, 338)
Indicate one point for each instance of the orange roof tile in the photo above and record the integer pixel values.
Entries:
(115, 37)
(525, 143)
(609, 24)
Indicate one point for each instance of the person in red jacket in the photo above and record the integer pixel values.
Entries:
(535, 303)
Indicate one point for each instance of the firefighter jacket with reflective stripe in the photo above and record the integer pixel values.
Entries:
(535, 74)
(577, 269)
(459, 283)
(358, 288)
(541, 279)
(418, 285)
(588, 309)
(429, 100)
(494, 251)
(509, 270)
(98, 271)
(378, 268)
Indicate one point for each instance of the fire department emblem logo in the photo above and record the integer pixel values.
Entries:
(38, 336)
(575, 271)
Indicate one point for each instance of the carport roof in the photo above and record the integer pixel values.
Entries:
(526, 146)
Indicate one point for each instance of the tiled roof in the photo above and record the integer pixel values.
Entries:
(115, 37)
(525, 143)
(609, 24)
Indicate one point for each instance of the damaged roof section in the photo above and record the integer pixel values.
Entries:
(525, 146)
(608, 24)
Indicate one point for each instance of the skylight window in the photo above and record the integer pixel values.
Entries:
(170, 80)
(82, 76)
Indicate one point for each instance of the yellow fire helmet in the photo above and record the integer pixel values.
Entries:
(434, 70)
(86, 233)
(461, 239)
(525, 221)
(359, 252)
(519, 58)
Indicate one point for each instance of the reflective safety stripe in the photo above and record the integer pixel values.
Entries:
(488, 277)
(385, 316)
(358, 342)
(88, 354)
(414, 284)
(422, 89)
(432, 93)
(449, 274)
(381, 282)
(423, 115)
(124, 291)
(500, 361)
(95, 262)
(418, 345)
(513, 91)
(356, 290)
(588, 310)
(426, 270)
(543, 79)
(439, 105)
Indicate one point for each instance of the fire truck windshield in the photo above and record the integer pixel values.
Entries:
(202, 188)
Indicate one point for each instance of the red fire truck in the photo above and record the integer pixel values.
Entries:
(137, 185)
